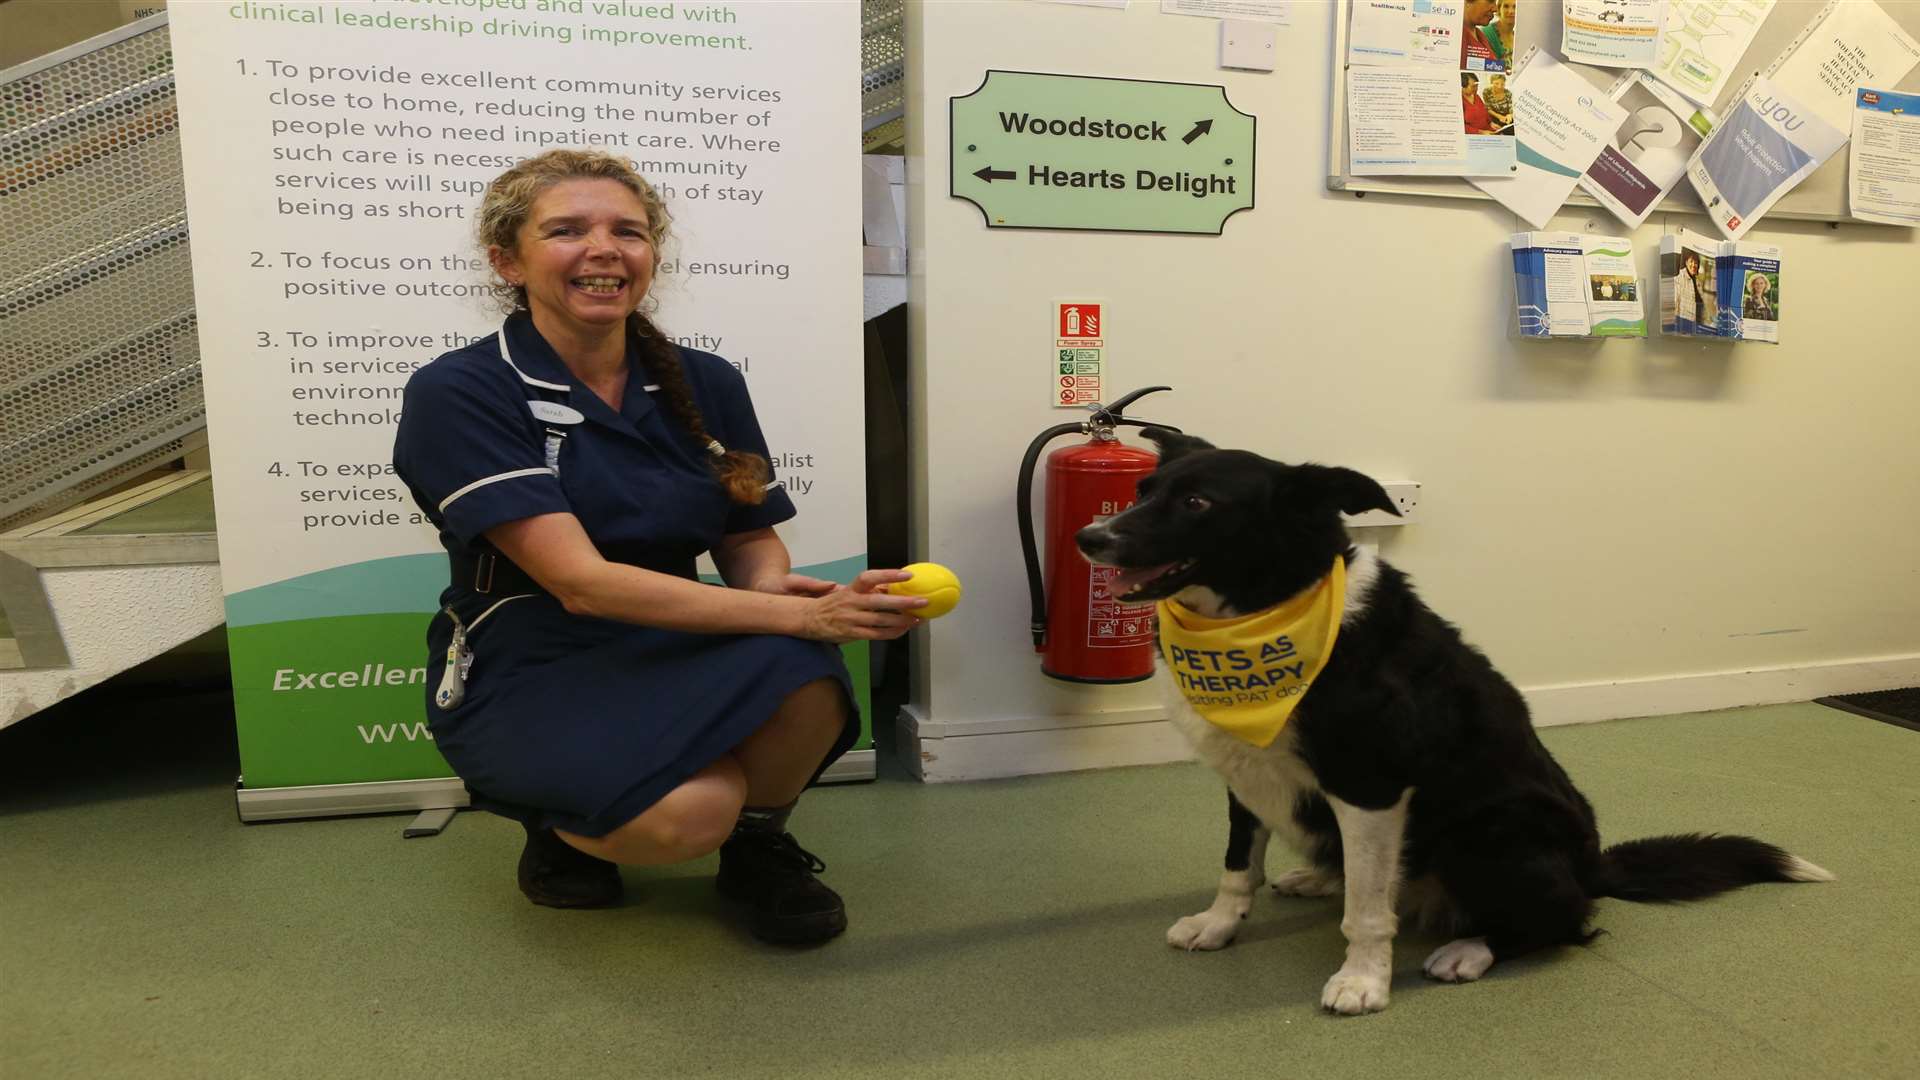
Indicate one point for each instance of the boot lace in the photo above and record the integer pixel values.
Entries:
(784, 848)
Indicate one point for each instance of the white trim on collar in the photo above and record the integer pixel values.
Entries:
(507, 355)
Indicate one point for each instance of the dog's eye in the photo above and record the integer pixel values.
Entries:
(1196, 503)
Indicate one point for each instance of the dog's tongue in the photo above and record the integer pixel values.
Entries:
(1127, 580)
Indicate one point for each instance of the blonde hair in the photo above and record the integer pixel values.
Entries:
(504, 210)
(509, 200)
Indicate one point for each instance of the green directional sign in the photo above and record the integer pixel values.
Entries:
(1039, 151)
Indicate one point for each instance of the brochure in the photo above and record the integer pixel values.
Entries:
(1723, 289)
(1702, 43)
(1569, 285)
(1614, 307)
(1855, 44)
(1750, 291)
(1547, 272)
(1464, 35)
(1883, 164)
(1401, 54)
(1273, 11)
(1563, 122)
(1613, 33)
(1406, 121)
(1689, 296)
(1767, 145)
(1649, 151)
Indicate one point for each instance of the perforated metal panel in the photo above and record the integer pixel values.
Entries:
(99, 356)
(883, 69)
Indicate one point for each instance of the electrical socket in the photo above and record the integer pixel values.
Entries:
(1405, 495)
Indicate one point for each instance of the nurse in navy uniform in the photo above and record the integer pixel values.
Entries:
(582, 680)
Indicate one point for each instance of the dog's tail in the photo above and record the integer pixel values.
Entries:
(1695, 866)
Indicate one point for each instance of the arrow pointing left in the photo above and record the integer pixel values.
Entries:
(990, 174)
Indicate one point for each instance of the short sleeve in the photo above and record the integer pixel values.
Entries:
(472, 454)
(736, 425)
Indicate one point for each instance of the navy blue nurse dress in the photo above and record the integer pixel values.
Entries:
(568, 721)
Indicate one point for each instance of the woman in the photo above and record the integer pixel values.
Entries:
(1690, 296)
(1499, 101)
(1476, 52)
(582, 680)
(1499, 34)
(1478, 122)
(1757, 305)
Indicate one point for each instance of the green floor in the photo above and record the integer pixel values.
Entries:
(1000, 929)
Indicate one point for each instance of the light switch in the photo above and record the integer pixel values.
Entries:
(1246, 44)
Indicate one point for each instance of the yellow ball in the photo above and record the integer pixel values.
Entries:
(933, 581)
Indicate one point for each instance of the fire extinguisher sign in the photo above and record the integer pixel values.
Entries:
(1079, 352)
(1112, 623)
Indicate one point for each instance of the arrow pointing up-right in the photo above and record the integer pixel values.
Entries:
(1200, 127)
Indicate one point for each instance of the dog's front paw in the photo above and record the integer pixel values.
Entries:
(1207, 930)
(1308, 881)
(1460, 961)
(1352, 993)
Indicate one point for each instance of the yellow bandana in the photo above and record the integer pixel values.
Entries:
(1245, 675)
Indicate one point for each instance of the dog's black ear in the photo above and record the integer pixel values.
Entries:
(1348, 491)
(1173, 444)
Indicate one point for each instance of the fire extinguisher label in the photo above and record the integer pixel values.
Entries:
(1112, 624)
(1079, 353)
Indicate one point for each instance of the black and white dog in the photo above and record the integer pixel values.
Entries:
(1408, 761)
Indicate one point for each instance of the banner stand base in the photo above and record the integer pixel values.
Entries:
(853, 767)
(426, 796)
(339, 800)
(428, 823)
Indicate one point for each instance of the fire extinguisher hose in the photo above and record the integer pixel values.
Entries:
(1036, 588)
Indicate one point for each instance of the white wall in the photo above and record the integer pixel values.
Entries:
(1655, 513)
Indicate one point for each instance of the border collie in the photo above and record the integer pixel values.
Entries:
(1409, 759)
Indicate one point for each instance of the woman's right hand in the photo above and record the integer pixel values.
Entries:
(859, 612)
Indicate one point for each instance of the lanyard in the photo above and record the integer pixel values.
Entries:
(453, 681)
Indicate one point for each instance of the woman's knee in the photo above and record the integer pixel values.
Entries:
(692, 820)
(818, 708)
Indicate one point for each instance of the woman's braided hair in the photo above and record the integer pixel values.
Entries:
(505, 208)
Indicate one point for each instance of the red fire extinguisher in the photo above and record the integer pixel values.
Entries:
(1082, 633)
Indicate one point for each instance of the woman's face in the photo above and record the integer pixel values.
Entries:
(1469, 88)
(1693, 265)
(1506, 14)
(585, 253)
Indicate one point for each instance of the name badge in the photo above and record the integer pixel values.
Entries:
(555, 414)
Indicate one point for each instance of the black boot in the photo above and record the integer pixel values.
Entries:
(557, 874)
(764, 867)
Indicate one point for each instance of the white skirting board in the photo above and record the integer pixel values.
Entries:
(1022, 746)
(411, 796)
(1580, 703)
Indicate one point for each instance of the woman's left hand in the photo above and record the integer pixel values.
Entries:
(795, 585)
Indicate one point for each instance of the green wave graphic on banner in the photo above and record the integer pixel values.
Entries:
(375, 587)
(329, 672)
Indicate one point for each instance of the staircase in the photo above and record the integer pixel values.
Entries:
(99, 371)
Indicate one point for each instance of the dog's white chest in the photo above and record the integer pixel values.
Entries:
(1268, 780)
